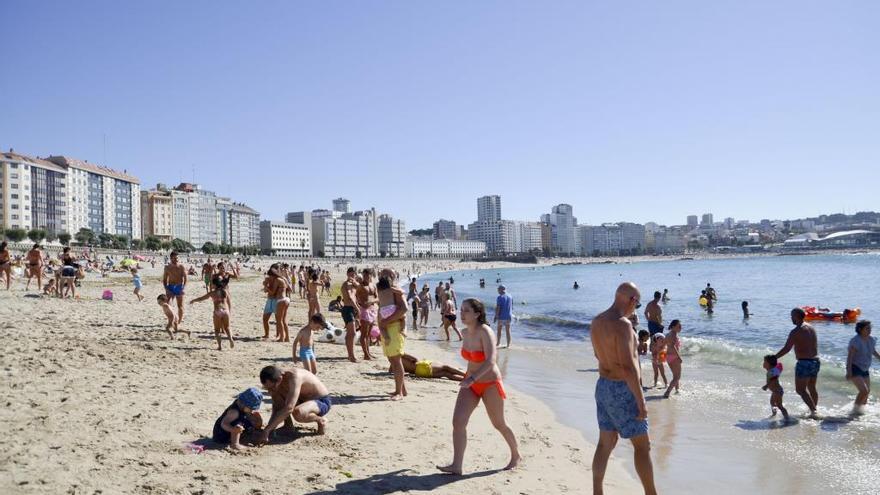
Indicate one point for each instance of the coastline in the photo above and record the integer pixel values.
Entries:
(100, 399)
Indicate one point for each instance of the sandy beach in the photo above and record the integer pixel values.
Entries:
(99, 400)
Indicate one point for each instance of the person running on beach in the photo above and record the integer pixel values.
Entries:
(367, 299)
(658, 357)
(673, 355)
(392, 326)
(34, 267)
(174, 281)
(503, 313)
(858, 363)
(620, 405)
(350, 310)
(138, 285)
(162, 299)
(305, 340)
(482, 383)
(654, 314)
(240, 417)
(221, 315)
(806, 348)
(5, 263)
(774, 370)
(297, 395)
(430, 369)
(448, 318)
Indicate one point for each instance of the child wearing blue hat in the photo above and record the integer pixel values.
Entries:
(241, 416)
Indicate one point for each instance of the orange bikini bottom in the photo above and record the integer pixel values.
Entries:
(479, 388)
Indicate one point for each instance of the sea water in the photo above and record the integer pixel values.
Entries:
(717, 434)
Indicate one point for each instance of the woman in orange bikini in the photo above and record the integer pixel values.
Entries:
(482, 382)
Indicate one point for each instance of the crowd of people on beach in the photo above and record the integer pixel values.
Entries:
(374, 309)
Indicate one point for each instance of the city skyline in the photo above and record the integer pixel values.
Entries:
(602, 107)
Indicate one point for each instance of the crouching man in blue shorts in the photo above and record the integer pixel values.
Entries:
(297, 395)
(620, 405)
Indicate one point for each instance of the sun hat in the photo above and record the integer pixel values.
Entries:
(251, 398)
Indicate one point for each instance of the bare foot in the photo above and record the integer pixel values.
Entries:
(322, 426)
(238, 446)
(450, 469)
(513, 462)
(352, 359)
(396, 397)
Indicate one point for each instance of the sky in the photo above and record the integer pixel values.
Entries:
(628, 111)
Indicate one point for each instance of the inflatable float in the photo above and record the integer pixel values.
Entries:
(824, 314)
(704, 302)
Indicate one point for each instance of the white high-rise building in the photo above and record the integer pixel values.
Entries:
(562, 224)
(238, 225)
(489, 208)
(445, 229)
(339, 235)
(612, 239)
(33, 194)
(285, 239)
(101, 199)
(392, 236)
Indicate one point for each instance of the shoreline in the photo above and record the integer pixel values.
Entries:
(99, 393)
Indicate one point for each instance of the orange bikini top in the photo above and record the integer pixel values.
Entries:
(473, 356)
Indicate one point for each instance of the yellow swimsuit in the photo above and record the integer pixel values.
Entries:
(423, 369)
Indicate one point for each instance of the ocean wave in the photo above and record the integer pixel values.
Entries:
(548, 320)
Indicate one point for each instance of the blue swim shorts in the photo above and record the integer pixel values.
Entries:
(174, 290)
(269, 308)
(616, 409)
(654, 327)
(306, 353)
(856, 371)
(807, 368)
(324, 404)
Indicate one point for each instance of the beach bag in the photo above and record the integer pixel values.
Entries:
(107, 295)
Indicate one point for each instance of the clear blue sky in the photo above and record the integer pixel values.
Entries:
(627, 110)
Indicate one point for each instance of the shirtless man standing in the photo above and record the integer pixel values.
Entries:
(35, 267)
(654, 314)
(350, 310)
(367, 299)
(437, 292)
(620, 405)
(806, 349)
(174, 281)
(297, 395)
(5, 263)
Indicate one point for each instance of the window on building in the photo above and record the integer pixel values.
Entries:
(13, 165)
(13, 196)
(14, 206)
(13, 176)
(15, 217)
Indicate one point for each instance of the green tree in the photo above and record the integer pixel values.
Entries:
(210, 248)
(85, 237)
(36, 235)
(64, 238)
(165, 245)
(137, 244)
(15, 235)
(51, 235)
(106, 240)
(153, 243)
(120, 242)
(226, 249)
(181, 246)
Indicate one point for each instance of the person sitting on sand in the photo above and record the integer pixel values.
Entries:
(658, 357)
(620, 404)
(430, 369)
(335, 305)
(806, 348)
(50, 289)
(297, 395)
(221, 315)
(240, 417)
(858, 363)
(673, 356)
(482, 384)
(306, 342)
(392, 327)
(162, 299)
(774, 370)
